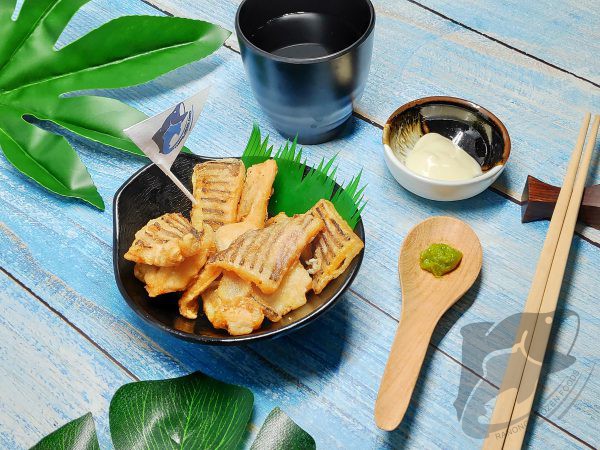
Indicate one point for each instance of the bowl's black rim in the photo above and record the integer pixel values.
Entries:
(368, 32)
(224, 340)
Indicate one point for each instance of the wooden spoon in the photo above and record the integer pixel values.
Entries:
(425, 299)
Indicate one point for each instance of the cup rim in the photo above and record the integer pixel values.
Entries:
(285, 59)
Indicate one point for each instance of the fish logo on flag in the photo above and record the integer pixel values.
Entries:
(174, 129)
(161, 137)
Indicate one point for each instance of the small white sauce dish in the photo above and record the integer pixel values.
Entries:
(476, 130)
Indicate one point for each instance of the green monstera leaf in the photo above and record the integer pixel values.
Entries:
(279, 432)
(34, 76)
(191, 412)
(79, 434)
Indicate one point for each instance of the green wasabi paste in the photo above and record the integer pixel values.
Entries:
(439, 259)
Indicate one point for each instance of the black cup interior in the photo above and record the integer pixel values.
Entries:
(304, 29)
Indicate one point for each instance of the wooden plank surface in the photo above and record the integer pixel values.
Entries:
(75, 275)
(417, 54)
(332, 387)
(50, 373)
(562, 33)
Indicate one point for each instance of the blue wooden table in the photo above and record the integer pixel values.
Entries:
(68, 340)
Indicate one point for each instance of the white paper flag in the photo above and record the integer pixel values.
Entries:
(161, 137)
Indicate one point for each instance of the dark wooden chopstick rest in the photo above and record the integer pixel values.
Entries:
(539, 199)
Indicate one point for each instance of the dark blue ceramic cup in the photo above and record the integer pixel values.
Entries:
(307, 61)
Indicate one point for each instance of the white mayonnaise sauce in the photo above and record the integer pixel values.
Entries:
(435, 156)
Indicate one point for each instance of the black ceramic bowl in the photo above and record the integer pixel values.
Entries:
(307, 61)
(149, 194)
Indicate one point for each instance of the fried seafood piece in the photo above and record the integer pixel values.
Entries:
(264, 256)
(231, 306)
(257, 191)
(188, 303)
(217, 189)
(232, 286)
(165, 241)
(333, 249)
(225, 235)
(252, 210)
(234, 308)
(290, 295)
(162, 280)
(281, 217)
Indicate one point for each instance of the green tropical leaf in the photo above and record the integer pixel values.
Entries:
(33, 77)
(296, 191)
(45, 156)
(279, 432)
(80, 434)
(191, 412)
(103, 120)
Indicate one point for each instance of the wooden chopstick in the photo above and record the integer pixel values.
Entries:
(506, 399)
(541, 333)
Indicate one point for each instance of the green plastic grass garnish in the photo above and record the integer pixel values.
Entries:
(296, 190)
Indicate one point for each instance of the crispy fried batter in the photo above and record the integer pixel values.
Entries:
(235, 302)
(162, 280)
(334, 248)
(217, 189)
(165, 241)
(277, 219)
(257, 191)
(264, 256)
(290, 295)
(225, 235)
(188, 303)
(232, 286)
(252, 210)
(231, 306)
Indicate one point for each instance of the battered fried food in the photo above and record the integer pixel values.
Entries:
(188, 303)
(334, 248)
(244, 265)
(162, 280)
(257, 191)
(165, 241)
(264, 256)
(231, 307)
(225, 235)
(232, 286)
(252, 211)
(290, 295)
(277, 219)
(217, 189)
